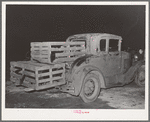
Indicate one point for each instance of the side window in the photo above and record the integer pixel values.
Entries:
(113, 45)
(102, 45)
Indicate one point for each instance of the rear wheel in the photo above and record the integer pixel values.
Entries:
(90, 88)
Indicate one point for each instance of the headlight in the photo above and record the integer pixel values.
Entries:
(135, 56)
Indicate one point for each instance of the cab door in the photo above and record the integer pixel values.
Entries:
(109, 52)
(108, 55)
(113, 59)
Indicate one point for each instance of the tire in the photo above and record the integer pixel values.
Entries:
(140, 78)
(91, 88)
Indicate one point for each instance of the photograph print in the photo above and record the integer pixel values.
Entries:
(78, 57)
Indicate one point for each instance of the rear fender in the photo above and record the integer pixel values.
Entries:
(79, 75)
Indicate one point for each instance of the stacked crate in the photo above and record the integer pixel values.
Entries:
(37, 75)
(56, 52)
(46, 68)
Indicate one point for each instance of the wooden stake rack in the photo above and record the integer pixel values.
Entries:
(56, 52)
(37, 76)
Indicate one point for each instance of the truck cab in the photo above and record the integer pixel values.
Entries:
(106, 53)
(103, 65)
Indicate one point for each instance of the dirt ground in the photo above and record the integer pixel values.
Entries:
(126, 97)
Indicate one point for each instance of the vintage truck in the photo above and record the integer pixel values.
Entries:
(81, 66)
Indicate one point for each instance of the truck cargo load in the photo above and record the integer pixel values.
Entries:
(37, 76)
(56, 52)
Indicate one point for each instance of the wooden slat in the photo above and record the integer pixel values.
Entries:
(28, 66)
(66, 43)
(50, 71)
(39, 52)
(23, 65)
(57, 43)
(16, 75)
(64, 59)
(59, 49)
(51, 85)
(49, 53)
(39, 56)
(44, 80)
(59, 65)
(42, 60)
(76, 43)
(38, 43)
(44, 74)
(65, 48)
(69, 54)
(38, 48)
(77, 48)
(36, 79)
(46, 67)
(47, 43)
(33, 63)
(13, 69)
(57, 72)
(70, 48)
(29, 73)
(57, 78)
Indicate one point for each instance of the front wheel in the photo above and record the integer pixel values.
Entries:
(140, 77)
(90, 88)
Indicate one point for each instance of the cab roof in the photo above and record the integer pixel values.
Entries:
(87, 35)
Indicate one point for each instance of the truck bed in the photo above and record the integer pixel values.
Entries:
(37, 76)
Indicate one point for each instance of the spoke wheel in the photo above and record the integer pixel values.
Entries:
(90, 88)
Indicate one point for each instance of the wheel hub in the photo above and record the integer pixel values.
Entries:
(89, 87)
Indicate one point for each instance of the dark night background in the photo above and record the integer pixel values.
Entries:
(35, 23)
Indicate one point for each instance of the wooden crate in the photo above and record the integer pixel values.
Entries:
(37, 76)
(56, 52)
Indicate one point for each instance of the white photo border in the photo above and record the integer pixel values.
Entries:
(67, 114)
